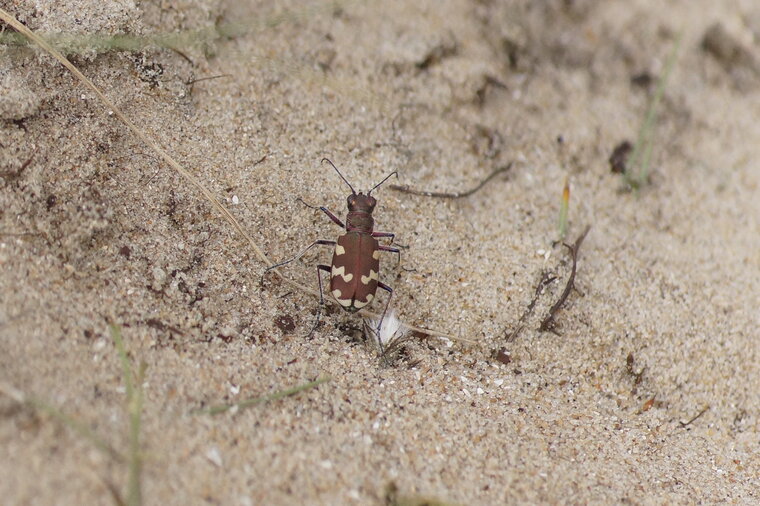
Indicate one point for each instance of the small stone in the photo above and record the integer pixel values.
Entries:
(159, 276)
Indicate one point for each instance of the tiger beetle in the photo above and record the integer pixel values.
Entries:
(356, 258)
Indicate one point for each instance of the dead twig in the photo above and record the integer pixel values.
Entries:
(686, 424)
(546, 278)
(208, 78)
(548, 322)
(12, 175)
(453, 195)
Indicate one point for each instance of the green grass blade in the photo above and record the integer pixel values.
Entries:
(134, 390)
(637, 169)
(563, 210)
(134, 489)
(68, 421)
(222, 408)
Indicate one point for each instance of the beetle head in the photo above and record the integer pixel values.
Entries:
(358, 202)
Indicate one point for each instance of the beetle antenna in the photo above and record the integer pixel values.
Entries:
(384, 180)
(341, 175)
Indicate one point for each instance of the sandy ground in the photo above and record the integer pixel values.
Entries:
(96, 230)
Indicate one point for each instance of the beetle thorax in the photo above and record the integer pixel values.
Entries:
(359, 221)
(359, 218)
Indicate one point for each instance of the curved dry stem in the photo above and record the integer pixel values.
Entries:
(13, 22)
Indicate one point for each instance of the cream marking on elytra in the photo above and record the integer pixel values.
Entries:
(376, 254)
(339, 250)
(360, 304)
(343, 302)
(341, 271)
(367, 279)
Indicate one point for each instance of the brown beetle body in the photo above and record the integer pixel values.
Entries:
(355, 267)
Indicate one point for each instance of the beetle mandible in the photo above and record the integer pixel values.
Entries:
(355, 267)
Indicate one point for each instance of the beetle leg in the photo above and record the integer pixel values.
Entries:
(393, 239)
(397, 251)
(321, 297)
(324, 242)
(329, 214)
(385, 234)
(332, 216)
(382, 285)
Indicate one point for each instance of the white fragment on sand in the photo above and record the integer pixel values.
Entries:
(391, 328)
(214, 456)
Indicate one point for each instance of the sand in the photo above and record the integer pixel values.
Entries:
(647, 391)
